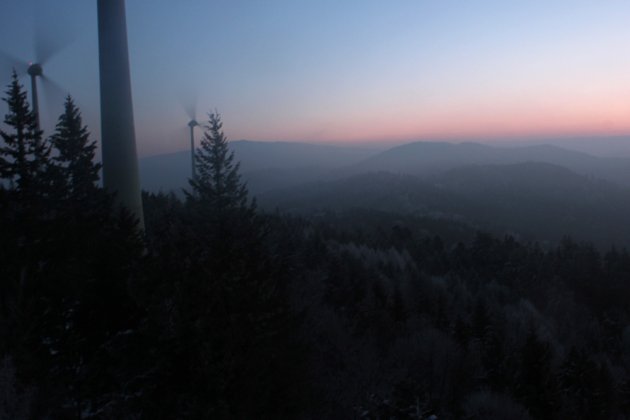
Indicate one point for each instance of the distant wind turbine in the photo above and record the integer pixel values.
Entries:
(46, 47)
(190, 107)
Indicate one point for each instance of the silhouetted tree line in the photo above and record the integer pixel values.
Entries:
(220, 311)
(67, 254)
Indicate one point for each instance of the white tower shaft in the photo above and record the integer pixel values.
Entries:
(192, 124)
(35, 99)
(120, 162)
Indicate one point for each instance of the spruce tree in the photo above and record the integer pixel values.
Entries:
(26, 177)
(24, 156)
(218, 183)
(232, 313)
(75, 159)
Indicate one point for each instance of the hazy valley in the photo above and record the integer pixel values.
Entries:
(537, 193)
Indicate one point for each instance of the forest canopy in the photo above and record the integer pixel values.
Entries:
(219, 309)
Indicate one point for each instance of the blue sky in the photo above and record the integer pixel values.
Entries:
(352, 70)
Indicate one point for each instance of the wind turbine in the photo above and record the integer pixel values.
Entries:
(53, 91)
(190, 107)
(44, 51)
(118, 138)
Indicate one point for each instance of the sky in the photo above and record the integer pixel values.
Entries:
(349, 72)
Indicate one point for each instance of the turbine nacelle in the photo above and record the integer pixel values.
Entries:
(35, 69)
(193, 123)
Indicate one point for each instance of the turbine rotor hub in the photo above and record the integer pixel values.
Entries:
(35, 69)
(193, 123)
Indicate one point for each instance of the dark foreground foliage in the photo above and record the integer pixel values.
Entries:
(220, 311)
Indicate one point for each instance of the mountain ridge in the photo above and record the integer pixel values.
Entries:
(270, 165)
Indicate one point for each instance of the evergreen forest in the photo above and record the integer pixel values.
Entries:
(219, 309)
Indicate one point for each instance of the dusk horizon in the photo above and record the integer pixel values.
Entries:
(357, 72)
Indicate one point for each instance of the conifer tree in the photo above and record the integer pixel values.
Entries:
(24, 156)
(218, 182)
(27, 177)
(75, 159)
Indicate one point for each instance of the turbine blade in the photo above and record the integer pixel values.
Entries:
(55, 96)
(52, 31)
(8, 63)
(188, 101)
(47, 47)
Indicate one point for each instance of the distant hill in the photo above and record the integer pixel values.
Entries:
(532, 177)
(258, 155)
(607, 146)
(426, 158)
(264, 165)
(536, 201)
(272, 165)
(539, 192)
(382, 191)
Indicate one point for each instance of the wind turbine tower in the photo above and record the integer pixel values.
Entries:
(192, 124)
(35, 70)
(118, 138)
